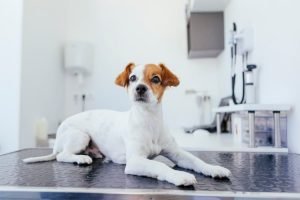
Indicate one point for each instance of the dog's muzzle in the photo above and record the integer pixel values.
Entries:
(141, 93)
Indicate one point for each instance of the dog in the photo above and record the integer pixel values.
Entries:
(132, 137)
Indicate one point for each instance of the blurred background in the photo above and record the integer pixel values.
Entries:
(60, 57)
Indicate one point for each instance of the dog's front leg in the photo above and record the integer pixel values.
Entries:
(187, 160)
(141, 166)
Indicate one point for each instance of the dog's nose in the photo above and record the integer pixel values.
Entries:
(141, 89)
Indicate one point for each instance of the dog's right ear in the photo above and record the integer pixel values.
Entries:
(123, 78)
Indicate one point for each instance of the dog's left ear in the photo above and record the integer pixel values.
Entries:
(168, 78)
(123, 78)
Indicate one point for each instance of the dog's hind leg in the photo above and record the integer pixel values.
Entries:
(93, 150)
(75, 141)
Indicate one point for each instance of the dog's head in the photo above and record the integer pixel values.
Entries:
(146, 83)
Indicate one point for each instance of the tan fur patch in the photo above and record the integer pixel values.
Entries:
(165, 75)
(123, 78)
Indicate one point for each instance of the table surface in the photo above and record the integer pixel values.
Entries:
(259, 173)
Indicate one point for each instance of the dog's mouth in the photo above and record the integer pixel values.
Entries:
(141, 99)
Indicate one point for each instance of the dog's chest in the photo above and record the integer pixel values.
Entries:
(151, 139)
(147, 131)
(154, 148)
(147, 138)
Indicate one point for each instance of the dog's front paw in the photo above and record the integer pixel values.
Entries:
(182, 178)
(216, 171)
(83, 159)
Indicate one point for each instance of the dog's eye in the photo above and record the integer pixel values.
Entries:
(132, 78)
(155, 79)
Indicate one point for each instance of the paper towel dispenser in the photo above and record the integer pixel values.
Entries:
(78, 57)
(205, 31)
(78, 60)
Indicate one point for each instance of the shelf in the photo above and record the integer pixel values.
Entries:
(203, 141)
(253, 107)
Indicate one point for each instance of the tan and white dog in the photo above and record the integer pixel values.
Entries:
(131, 137)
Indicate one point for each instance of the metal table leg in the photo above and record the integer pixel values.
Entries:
(218, 123)
(277, 135)
(251, 116)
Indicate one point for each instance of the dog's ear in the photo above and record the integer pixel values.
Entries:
(168, 78)
(123, 78)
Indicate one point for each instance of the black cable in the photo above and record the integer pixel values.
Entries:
(233, 78)
(234, 27)
(233, 89)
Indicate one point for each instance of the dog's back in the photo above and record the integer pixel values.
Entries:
(105, 128)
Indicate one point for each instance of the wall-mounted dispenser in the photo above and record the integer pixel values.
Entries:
(78, 59)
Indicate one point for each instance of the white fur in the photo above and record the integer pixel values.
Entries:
(129, 138)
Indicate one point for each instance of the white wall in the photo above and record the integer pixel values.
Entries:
(277, 47)
(10, 67)
(148, 31)
(42, 86)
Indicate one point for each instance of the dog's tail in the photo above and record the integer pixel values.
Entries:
(41, 158)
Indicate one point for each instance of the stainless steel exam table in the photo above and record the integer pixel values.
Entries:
(263, 175)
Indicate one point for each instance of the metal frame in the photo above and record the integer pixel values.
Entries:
(251, 121)
(277, 133)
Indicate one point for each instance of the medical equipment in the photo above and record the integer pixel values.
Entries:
(241, 44)
(249, 84)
